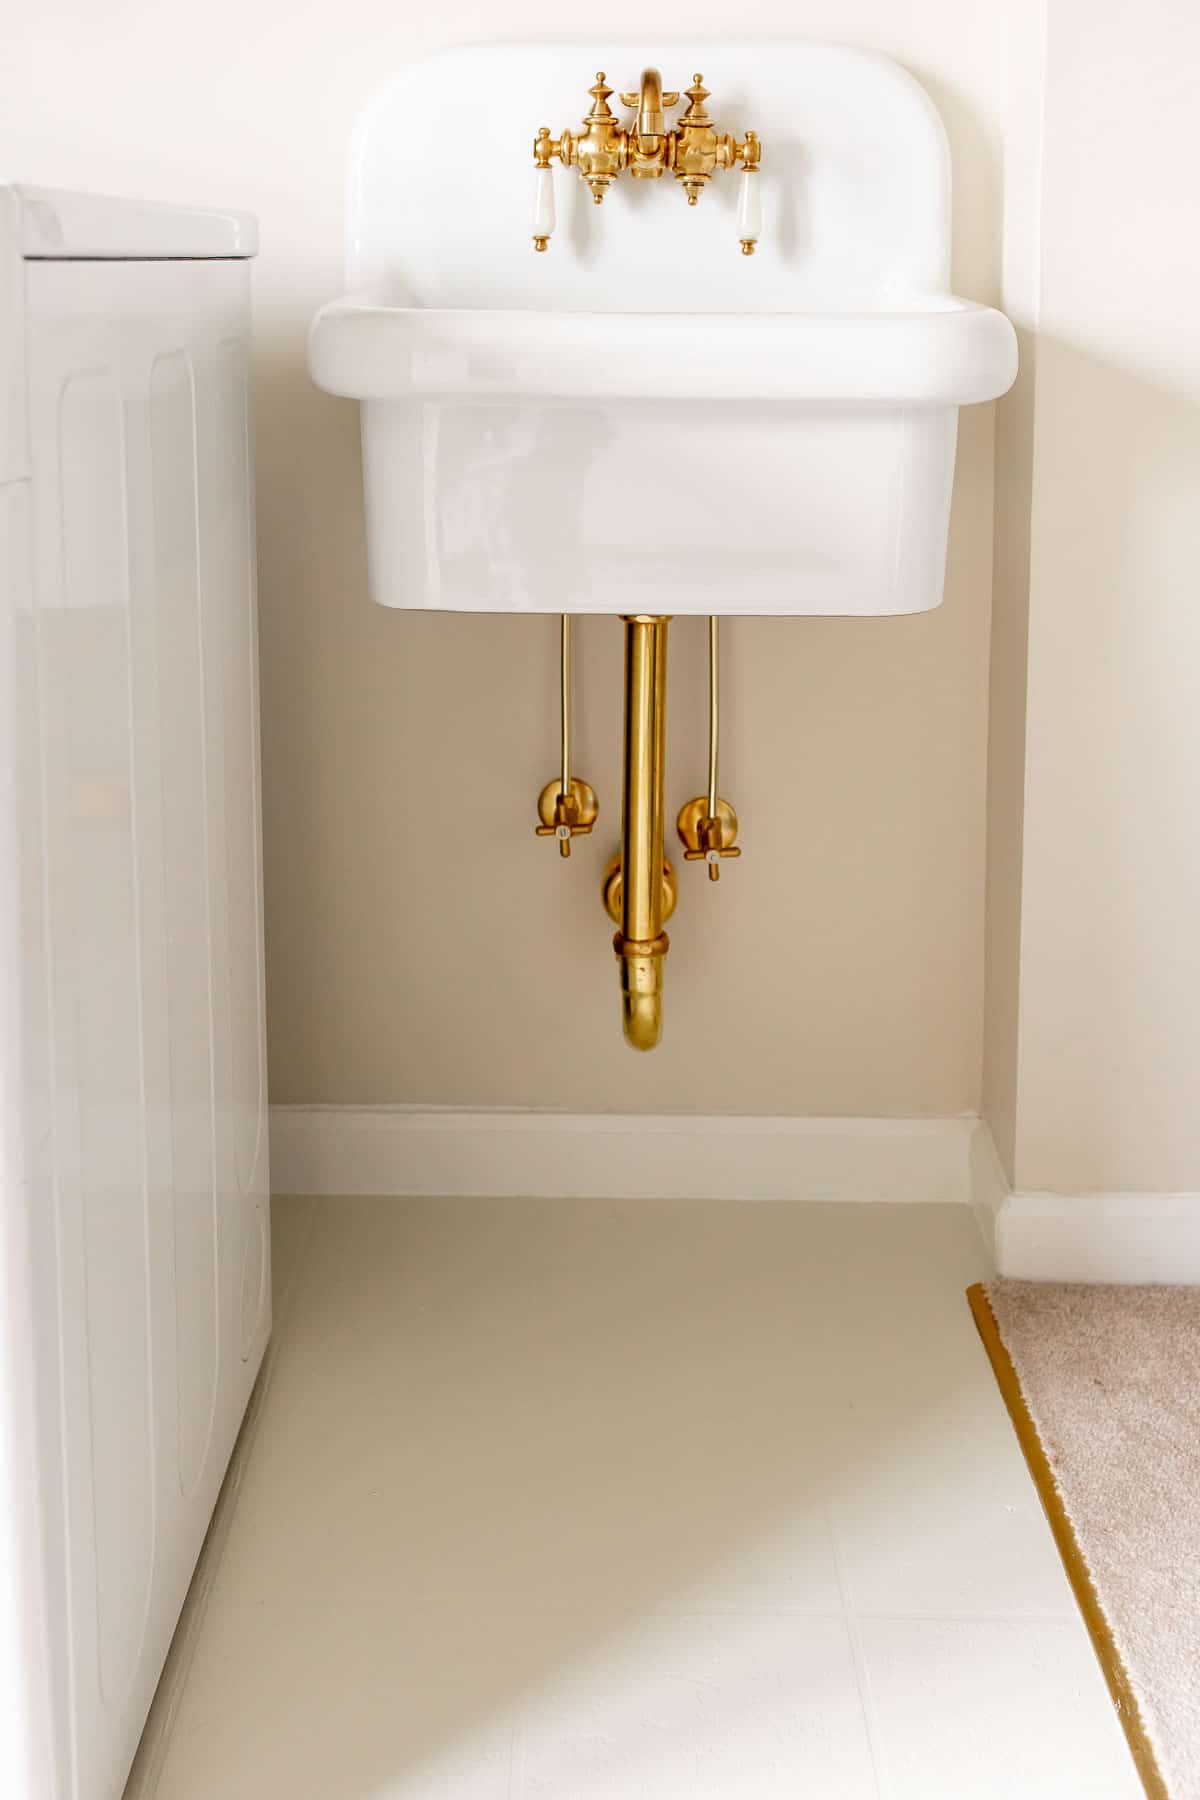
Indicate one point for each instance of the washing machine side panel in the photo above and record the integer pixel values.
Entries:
(144, 641)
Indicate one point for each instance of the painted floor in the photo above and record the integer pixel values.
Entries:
(636, 1501)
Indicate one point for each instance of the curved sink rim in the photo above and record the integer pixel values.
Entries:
(916, 350)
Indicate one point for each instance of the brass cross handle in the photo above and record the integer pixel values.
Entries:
(708, 837)
(567, 815)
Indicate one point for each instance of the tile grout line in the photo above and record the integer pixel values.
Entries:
(150, 1757)
(862, 1675)
(765, 1609)
(516, 1757)
(950, 1615)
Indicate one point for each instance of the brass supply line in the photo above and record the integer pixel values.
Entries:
(641, 943)
(567, 807)
(564, 666)
(714, 709)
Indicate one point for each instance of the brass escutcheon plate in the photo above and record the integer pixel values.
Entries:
(613, 886)
(688, 822)
(583, 795)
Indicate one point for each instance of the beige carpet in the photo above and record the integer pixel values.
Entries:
(1108, 1412)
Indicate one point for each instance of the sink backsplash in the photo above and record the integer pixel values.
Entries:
(855, 174)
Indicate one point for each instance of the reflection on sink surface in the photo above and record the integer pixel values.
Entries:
(644, 420)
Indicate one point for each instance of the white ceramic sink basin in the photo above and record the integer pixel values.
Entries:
(642, 419)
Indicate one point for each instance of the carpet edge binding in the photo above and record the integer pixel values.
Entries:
(1112, 1664)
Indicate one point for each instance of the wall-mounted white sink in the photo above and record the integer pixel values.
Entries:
(643, 419)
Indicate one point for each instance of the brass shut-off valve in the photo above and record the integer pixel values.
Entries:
(566, 815)
(708, 825)
(567, 806)
(692, 151)
(708, 836)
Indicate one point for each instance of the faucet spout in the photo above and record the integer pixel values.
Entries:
(652, 120)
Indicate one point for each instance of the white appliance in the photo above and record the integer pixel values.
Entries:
(134, 1244)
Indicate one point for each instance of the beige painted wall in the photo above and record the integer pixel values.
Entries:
(422, 946)
(1020, 294)
(1108, 1065)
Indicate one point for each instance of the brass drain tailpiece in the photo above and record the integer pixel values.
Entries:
(641, 943)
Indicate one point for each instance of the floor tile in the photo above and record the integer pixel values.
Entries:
(291, 1221)
(940, 1516)
(993, 1709)
(703, 1708)
(539, 1504)
(347, 1706)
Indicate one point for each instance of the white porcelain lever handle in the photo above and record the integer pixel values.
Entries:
(749, 211)
(543, 208)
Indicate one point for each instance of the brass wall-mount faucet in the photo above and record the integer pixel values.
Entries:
(692, 152)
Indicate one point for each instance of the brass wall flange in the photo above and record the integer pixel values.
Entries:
(612, 889)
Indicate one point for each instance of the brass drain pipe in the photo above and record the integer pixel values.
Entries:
(641, 943)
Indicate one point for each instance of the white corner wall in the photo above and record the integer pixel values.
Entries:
(1093, 1039)
(1020, 296)
(1109, 1065)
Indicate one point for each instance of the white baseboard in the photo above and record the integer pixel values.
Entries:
(1100, 1237)
(990, 1192)
(1125, 1238)
(621, 1156)
(433, 1150)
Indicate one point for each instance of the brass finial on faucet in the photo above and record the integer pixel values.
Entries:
(695, 150)
(692, 151)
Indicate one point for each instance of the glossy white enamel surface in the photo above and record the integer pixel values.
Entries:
(855, 173)
(530, 510)
(932, 353)
(642, 416)
(134, 1172)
